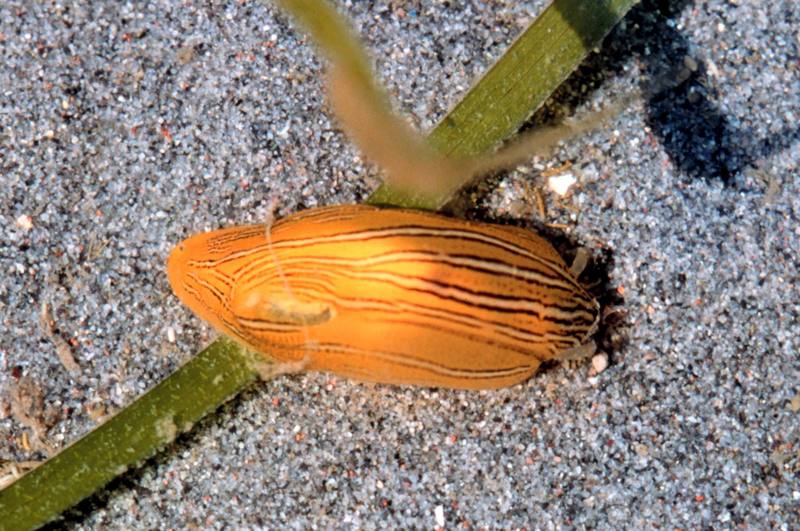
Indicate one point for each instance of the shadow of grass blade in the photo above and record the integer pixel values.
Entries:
(543, 56)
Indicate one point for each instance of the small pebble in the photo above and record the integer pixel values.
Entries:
(600, 362)
(24, 222)
(438, 513)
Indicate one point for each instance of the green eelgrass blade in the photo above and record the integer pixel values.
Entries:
(136, 433)
(540, 59)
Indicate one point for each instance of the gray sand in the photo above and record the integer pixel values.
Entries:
(124, 130)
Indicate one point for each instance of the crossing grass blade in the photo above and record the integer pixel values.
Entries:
(508, 94)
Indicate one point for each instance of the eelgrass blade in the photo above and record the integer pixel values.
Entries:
(136, 433)
(538, 61)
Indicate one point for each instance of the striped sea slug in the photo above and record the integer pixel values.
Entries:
(389, 295)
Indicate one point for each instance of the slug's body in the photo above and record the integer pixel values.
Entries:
(386, 295)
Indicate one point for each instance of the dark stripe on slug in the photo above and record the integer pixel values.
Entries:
(232, 327)
(405, 360)
(551, 338)
(460, 261)
(256, 326)
(322, 215)
(562, 341)
(195, 294)
(427, 311)
(556, 270)
(255, 274)
(354, 273)
(462, 234)
(222, 240)
(462, 295)
(226, 280)
(565, 314)
(502, 345)
(263, 325)
(212, 290)
(399, 359)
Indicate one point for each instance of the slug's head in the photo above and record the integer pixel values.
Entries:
(232, 279)
(200, 273)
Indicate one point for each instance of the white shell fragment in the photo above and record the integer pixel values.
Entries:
(560, 184)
